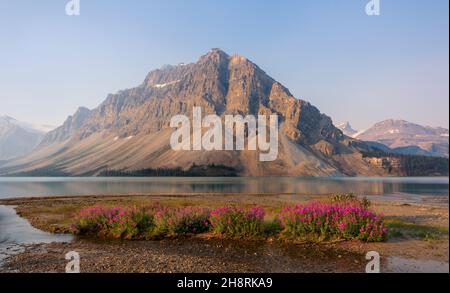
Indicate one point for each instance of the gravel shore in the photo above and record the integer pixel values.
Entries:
(186, 256)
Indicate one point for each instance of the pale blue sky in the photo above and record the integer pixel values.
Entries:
(329, 52)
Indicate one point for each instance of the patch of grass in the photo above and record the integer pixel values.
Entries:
(403, 229)
(394, 233)
(179, 202)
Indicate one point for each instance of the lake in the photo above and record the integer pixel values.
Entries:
(38, 187)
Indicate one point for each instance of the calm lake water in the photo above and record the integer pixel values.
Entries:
(36, 187)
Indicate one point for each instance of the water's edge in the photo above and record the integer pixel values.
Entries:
(17, 232)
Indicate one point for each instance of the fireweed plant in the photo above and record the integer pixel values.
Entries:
(237, 222)
(314, 221)
(116, 222)
(141, 223)
(319, 221)
(179, 221)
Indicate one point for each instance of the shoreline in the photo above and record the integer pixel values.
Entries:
(413, 250)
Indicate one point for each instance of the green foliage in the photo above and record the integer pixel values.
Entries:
(402, 229)
(351, 198)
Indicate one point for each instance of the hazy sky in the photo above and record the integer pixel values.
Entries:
(329, 52)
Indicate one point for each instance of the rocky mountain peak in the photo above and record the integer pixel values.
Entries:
(393, 122)
(69, 128)
(131, 128)
(215, 52)
(218, 82)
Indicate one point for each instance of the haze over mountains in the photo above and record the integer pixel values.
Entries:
(19, 138)
(130, 130)
(404, 137)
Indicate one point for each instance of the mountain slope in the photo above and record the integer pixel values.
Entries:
(130, 130)
(409, 138)
(17, 138)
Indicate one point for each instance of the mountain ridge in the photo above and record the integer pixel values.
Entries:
(408, 137)
(130, 129)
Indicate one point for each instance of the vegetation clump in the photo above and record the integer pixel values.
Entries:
(237, 222)
(324, 221)
(315, 221)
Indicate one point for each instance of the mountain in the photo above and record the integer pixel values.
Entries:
(347, 129)
(129, 132)
(409, 138)
(17, 138)
(70, 126)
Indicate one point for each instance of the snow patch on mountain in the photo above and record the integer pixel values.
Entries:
(163, 85)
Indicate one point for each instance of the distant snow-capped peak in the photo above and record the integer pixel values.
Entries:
(347, 129)
(33, 127)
